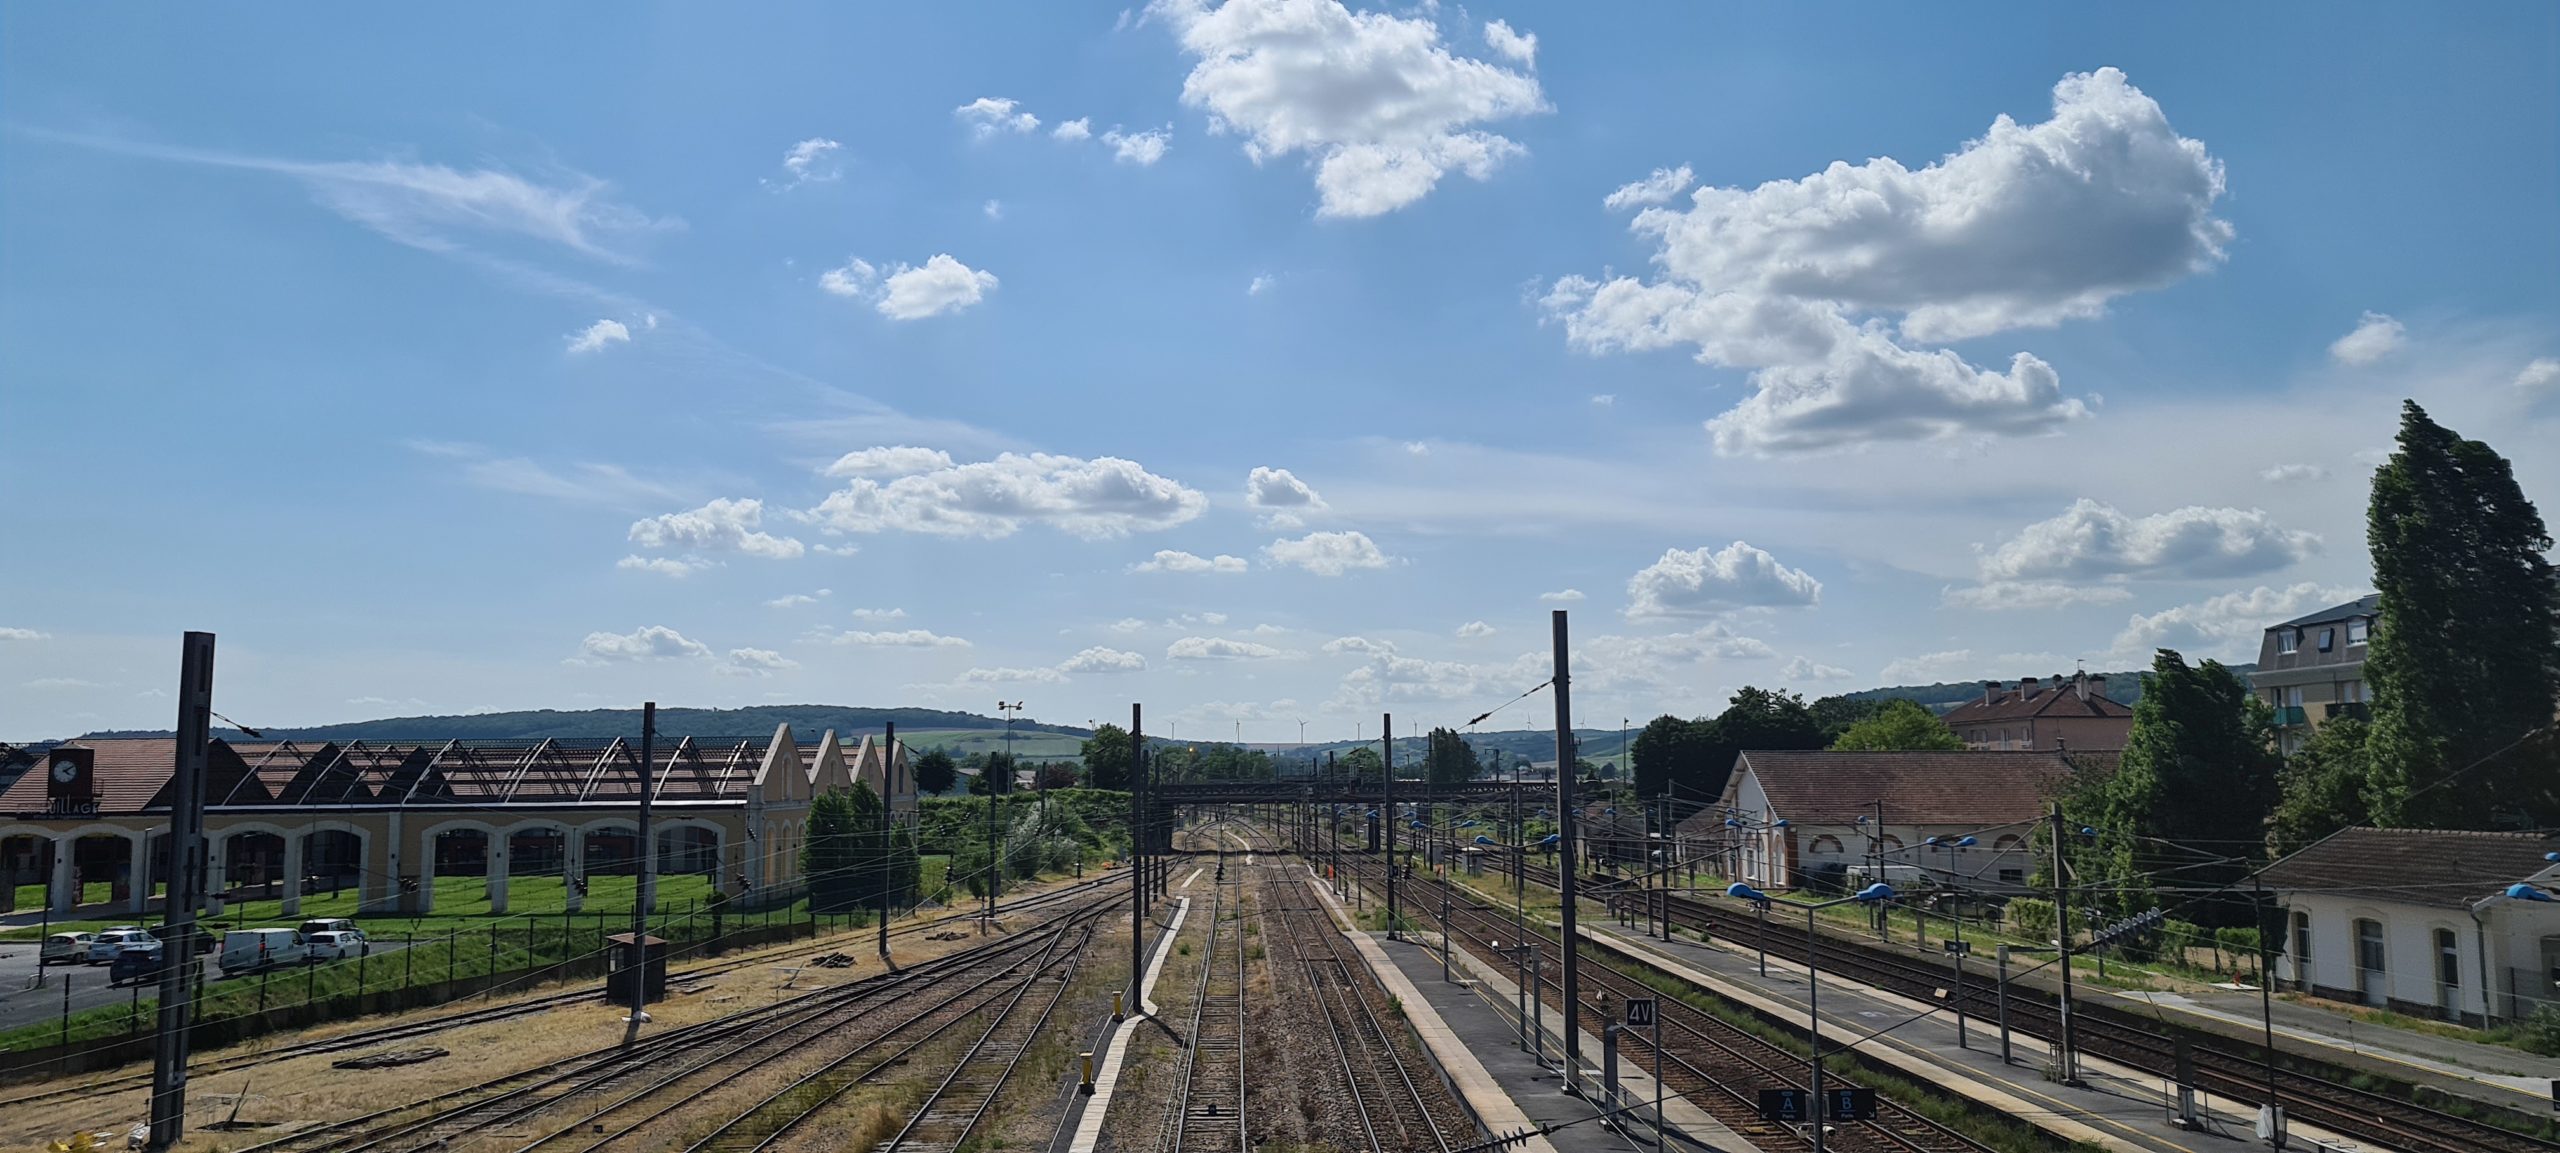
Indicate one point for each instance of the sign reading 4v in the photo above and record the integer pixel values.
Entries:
(1640, 1013)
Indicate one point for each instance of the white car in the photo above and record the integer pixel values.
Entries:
(65, 949)
(104, 947)
(337, 945)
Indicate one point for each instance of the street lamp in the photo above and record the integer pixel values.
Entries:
(1873, 894)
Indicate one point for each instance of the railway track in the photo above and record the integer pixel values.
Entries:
(1392, 1111)
(1208, 1113)
(371, 1038)
(1712, 1063)
(602, 1098)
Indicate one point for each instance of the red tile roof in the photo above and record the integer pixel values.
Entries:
(1976, 787)
(133, 774)
(2058, 697)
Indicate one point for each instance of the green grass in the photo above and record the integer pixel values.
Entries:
(461, 902)
(1026, 745)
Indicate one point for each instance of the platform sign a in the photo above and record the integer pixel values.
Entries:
(1788, 1106)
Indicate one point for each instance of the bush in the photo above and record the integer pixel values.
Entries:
(2541, 1032)
(2031, 918)
(2240, 940)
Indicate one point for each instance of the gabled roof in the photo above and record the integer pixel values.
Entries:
(2439, 868)
(2059, 697)
(2368, 605)
(1975, 787)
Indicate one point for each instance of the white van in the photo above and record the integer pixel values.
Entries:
(250, 950)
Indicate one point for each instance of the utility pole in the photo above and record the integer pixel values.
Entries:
(1137, 854)
(1565, 880)
(186, 891)
(1387, 745)
(639, 956)
(2062, 922)
(888, 770)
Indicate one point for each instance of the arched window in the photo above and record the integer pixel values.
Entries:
(1825, 843)
(2008, 843)
(1889, 842)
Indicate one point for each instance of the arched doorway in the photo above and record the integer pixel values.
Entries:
(252, 866)
(688, 850)
(26, 867)
(538, 866)
(332, 863)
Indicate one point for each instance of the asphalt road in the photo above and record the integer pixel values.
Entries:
(23, 1003)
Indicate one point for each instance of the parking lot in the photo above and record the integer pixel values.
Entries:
(23, 1002)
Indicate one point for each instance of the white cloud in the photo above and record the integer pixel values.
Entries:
(2026, 226)
(1374, 100)
(1140, 148)
(1521, 47)
(911, 292)
(17, 634)
(1175, 560)
(1998, 595)
(723, 524)
(2540, 376)
(1700, 581)
(1808, 669)
(989, 115)
(2227, 627)
(595, 336)
(1361, 645)
(1220, 649)
(1104, 660)
(1929, 668)
(2094, 540)
(879, 614)
(678, 567)
(901, 460)
(60, 683)
(1561, 596)
(755, 663)
(1604, 400)
(1127, 625)
(809, 162)
(651, 642)
(1281, 498)
(1010, 676)
(1080, 128)
(2287, 473)
(1474, 629)
(1418, 447)
(1662, 187)
(1326, 553)
(794, 600)
(903, 639)
(1260, 284)
(2375, 336)
(993, 208)
(1098, 498)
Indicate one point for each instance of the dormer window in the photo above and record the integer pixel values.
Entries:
(2327, 638)
(2358, 632)
(2287, 641)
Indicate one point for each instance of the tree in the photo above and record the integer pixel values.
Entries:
(2467, 655)
(1057, 775)
(1671, 749)
(1108, 757)
(2198, 770)
(1833, 715)
(936, 772)
(1901, 726)
(996, 777)
(1447, 759)
(2321, 787)
(832, 855)
(1363, 764)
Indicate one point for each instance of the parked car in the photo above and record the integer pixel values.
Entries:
(137, 963)
(312, 928)
(104, 947)
(250, 950)
(65, 949)
(336, 945)
(206, 936)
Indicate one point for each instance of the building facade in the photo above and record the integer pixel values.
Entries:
(285, 819)
(2311, 668)
(2063, 713)
(2419, 921)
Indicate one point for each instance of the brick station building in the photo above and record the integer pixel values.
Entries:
(287, 818)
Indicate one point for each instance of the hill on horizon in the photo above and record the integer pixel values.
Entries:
(754, 722)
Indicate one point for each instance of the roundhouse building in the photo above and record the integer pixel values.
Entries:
(287, 818)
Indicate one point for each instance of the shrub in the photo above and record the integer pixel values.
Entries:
(2541, 1032)
(2032, 918)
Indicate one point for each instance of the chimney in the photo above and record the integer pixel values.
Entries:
(1990, 692)
(2026, 687)
(2097, 686)
(2080, 683)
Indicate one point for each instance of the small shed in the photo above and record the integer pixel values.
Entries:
(644, 959)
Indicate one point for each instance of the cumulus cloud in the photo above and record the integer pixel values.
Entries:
(1604, 399)
(754, 663)
(1375, 101)
(17, 634)
(1281, 498)
(2092, 540)
(989, 115)
(723, 524)
(2375, 336)
(1520, 47)
(901, 460)
(1700, 581)
(1797, 280)
(1104, 660)
(678, 567)
(2288, 473)
(1808, 669)
(651, 642)
(1260, 284)
(595, 336)
(878, 614)
(911, 292)
(1095, 499)
(1474, 629)
(1220, 649)
(1561, 596)
(794, 600)
(1995, 596)
(1140, 148)
(901, 639)
(2227, 627)
(2540, 377)
(1326, 553)
(1127, 625)
(1659, 188)
(1080, 128)
(1176, 560)
(809, 162)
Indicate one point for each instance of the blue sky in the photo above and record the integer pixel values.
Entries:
(501, 359)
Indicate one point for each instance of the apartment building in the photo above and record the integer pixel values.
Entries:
(2311, 668)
